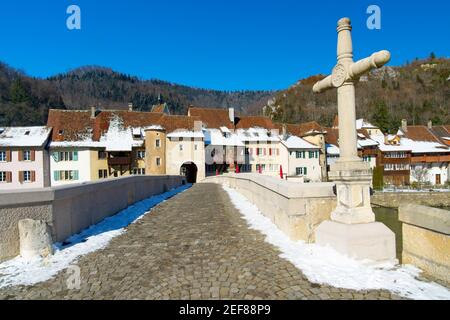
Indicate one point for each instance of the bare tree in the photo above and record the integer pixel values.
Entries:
(420, 173)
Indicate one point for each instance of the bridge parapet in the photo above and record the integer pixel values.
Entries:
(70, 209)
(295, 208)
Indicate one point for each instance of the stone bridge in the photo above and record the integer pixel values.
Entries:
(194, 246)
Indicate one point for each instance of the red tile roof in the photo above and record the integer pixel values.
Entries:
(254, 121)
(420, 133)
(213, 118)
(70, 125)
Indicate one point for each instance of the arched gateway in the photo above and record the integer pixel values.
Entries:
(189, 170)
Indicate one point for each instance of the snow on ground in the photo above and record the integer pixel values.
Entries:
(20, 272)
(327, 266)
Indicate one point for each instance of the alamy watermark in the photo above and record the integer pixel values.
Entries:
(374, 20)
(73, 22)
(73, 281)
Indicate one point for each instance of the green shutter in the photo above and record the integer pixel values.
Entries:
(305, 171)
(56, 175)
(75, 156)
(55, 155)
(75, 175)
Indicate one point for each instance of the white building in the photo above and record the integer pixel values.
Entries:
(300, 159)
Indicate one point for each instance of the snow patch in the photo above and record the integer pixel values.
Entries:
(325, 265)
(20, 272)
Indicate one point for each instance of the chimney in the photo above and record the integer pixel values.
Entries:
(430, 124)
(386, 140)
(404, 125)
(130, 106)
(231, 114)
(284, 131)
(93, 112)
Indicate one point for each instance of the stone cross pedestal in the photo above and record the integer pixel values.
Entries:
(353, 229)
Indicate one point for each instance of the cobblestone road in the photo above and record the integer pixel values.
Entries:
(194, 246)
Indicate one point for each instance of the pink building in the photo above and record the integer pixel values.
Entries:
(24, 161)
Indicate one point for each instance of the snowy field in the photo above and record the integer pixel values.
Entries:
(326, 266)
(19, 272)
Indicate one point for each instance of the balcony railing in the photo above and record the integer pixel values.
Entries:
(119, 161)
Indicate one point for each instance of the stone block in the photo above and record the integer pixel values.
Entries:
(35, 239)
(373, 241)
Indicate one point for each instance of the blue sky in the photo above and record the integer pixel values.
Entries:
(218, 44)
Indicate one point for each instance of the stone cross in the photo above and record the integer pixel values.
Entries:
(344, 75)
(352, 229)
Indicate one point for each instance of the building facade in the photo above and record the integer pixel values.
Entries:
(24, 158)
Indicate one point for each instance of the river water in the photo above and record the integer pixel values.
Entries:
(389, 216)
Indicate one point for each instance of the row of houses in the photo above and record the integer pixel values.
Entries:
(88, 145)
(415, 154)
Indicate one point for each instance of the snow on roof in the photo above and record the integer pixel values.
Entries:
(225, 129)
(216, 138)
(366, 143)
(154, 127)
(410, 145)
(332, 149)
(294, 142)
(118, 138)
(256, 134)
(362, 124)
(24, 136)
(181, 133)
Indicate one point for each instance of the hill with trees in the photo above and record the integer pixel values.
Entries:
(25, 100)
(418, 91)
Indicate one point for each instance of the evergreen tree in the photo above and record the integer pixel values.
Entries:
(381, 116)
(18, 93)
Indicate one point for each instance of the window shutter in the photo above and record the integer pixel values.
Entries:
(264, 151)
(21, 176)
(8, 155)
(33, 176)
(56, 175)
(75, 175)
(8, 176)
(270, 151)
(305, 171)
(20, 155)
(75, 156)
(32, 155)
(278, 152)
(55, 156)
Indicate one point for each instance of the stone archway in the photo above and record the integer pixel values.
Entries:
(189, 170)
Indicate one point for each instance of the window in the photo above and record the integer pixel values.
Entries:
(26, 155)
(141, 154)
(65, 156)
(157, 143)
(398, 154)
(2, 156)
(158, 161)
(27, 176)
(195, 147)
(65, 175)
(301, 171)
(396, 166)
(102, 174)
(102, 155)
(367, 158)
(3, 176)
(138, 171)
(181, 147)
(300, 154)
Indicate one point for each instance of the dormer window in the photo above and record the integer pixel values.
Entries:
(27, 133)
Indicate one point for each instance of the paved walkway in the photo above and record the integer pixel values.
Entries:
(194, 246)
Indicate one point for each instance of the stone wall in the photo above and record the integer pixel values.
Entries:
(296, 208)
(426, 239)
(394, 199)
(70, 209)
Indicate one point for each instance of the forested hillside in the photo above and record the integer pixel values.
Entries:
(418, 91)
(25, 100)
